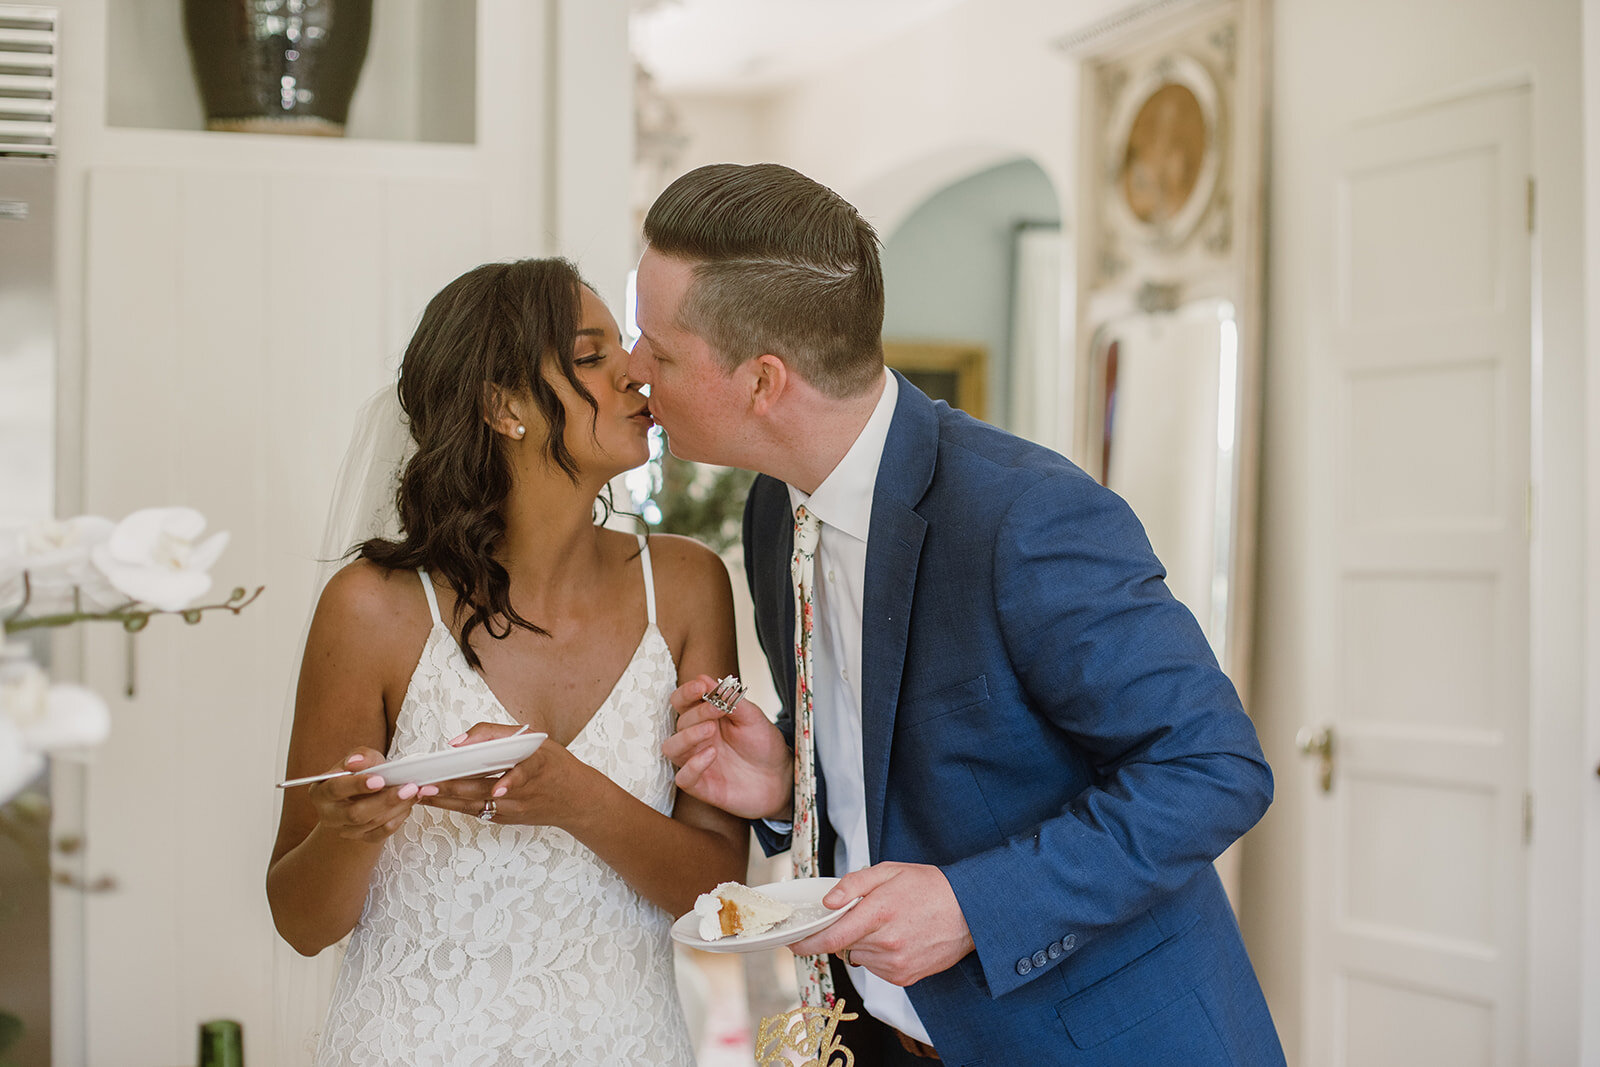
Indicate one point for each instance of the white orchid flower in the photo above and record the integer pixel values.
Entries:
(24, 690)
(74, 717)
(156, 556)
(56, 555)
(37, 717)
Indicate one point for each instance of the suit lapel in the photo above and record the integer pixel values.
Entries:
(894, 550)
(778, 599)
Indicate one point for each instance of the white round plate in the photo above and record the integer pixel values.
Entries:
(810, 915)
(467, 761)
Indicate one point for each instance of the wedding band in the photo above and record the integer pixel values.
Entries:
(847, 962)
(487, 814)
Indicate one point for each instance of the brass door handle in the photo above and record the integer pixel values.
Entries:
(1318, 743)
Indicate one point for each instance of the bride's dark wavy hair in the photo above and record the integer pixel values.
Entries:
(497, 327)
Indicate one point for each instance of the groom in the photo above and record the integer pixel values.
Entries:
(1021, 753)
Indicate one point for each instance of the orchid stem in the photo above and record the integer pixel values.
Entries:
(130, 618)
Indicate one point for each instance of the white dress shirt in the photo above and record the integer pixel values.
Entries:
(843, 504)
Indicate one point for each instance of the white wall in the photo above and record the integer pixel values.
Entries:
(724, 129)
(972, 87)
(1589, 887)
(969, 88)
(981, 83)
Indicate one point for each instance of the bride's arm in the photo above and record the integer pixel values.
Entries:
(331, 833)
(672, 861)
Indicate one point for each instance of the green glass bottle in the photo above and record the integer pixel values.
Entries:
(221, 1044)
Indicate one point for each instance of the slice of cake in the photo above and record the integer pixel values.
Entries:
(732, 909)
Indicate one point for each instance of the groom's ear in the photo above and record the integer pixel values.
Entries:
(769, 381)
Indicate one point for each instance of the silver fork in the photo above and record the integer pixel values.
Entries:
(725, 697)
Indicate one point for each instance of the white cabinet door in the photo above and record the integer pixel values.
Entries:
(1415, 856)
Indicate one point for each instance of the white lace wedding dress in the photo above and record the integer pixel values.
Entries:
(483, 945)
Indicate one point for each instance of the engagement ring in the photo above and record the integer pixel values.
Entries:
(487, 814)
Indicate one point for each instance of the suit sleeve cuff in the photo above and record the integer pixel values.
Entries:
(1008, 958)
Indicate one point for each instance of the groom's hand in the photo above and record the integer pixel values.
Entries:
(737, 762)
(908, 925)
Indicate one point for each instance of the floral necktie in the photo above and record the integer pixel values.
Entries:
(816, 982)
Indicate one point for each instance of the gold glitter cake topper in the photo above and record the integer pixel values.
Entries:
(805, 1037)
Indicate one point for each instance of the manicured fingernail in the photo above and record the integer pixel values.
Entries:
(375, 782)
(500, 792)
(457, 739)
(430, 790)
(353, 760)
(407, 791)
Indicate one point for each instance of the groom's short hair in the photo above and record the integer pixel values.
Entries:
(782, 265)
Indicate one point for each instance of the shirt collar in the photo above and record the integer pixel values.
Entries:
(844, 499)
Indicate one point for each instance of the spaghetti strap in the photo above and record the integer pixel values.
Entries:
(649, 580)
(433, 602)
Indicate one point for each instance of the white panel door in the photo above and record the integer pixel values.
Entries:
(1415, 852)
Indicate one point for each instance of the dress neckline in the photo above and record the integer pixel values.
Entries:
(483, 683)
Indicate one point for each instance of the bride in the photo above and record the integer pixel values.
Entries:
(523, 919)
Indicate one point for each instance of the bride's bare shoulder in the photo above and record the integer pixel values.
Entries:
(689, 573)
(374, 600)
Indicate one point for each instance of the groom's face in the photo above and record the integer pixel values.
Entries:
(692, 397)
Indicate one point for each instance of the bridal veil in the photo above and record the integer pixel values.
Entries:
(362, 507)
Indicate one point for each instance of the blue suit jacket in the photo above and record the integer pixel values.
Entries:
(1044, 722)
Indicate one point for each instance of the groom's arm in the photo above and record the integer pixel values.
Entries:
(1103, 650)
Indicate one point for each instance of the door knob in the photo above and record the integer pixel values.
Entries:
(1318, 743)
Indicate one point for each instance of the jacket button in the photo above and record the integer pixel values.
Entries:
(1024, 966)
(1039, 958)
(1069, 942)
(1054, 950)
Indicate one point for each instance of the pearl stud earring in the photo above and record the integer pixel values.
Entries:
(521, 430)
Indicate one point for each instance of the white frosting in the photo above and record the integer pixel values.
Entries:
(707, 907)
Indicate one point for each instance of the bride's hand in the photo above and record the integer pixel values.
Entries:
(542, 790)
(363, 807)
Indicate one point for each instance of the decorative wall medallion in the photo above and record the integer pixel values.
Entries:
(1218, 233)
(1169, 295)
(1111, 264)
(1164, 153)
(1225, 40)
(1113, 77)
